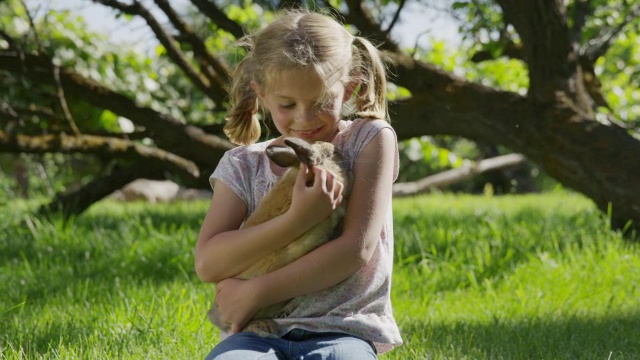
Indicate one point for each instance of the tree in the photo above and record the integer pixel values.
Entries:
(561, 123)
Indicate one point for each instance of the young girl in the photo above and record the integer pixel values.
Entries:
(304, 69)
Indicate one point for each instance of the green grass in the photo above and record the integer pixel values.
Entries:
(514, 277)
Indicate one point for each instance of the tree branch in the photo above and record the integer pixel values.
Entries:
(453, 176)
(510, 50)
(8, 113)
(13, 45)
(597, 47)
(62, 99)
(199, 48)
(581, 9)
(178, 57)
(32, 26)
(360, 16)
(98, 145)
(396, 16)
(13, 113)
(290, 4)
(216, 15)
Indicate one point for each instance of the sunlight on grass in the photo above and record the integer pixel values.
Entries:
(514, 277)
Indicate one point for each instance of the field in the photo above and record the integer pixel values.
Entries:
(476, 277)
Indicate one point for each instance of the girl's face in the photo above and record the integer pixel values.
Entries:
(294, 101)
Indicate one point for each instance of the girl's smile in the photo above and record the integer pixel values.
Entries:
(308, 134)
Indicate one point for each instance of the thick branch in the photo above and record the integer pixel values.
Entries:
(103, 146)
(443, 103)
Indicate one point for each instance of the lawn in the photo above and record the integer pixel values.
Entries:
(476, 277)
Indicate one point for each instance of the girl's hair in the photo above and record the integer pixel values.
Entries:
(300, 39)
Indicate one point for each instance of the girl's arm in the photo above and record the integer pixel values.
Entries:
(334, 261)
(224, 250)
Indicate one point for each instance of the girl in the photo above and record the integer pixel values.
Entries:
(303, 69)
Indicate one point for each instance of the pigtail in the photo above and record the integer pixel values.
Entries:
(243, 127)
(371, 99)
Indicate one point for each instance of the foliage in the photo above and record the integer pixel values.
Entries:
(622, 73)
(63, 36)
(514, 277)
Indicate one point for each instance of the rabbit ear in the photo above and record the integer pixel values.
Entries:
(303, 150)
(283, 156)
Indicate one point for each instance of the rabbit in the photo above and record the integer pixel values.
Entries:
(275, 203)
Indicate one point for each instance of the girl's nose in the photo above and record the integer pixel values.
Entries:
(308, 115)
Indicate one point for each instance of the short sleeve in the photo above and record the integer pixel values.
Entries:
(230, 172)
(361, 132)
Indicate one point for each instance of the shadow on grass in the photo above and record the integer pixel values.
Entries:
(613, 337)
(94, 252)
(79, 338)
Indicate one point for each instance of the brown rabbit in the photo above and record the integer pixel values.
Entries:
(278, 201)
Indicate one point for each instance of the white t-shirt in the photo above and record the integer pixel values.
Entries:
(359, 305)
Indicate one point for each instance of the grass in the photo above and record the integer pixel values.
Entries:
(533, 277)
(514, 277)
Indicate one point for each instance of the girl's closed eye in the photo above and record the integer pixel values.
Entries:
(287, 106)
(324, 106)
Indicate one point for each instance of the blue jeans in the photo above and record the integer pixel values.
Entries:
(296, 344)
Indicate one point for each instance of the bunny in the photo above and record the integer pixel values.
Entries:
(278, 201)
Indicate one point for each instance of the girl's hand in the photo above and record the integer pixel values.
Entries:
(236, 302)
(313, 203)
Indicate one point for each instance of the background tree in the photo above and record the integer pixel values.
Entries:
(60, 93)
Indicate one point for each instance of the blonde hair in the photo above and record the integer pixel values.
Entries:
(300, 39)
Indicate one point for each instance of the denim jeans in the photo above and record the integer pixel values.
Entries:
(297, 344)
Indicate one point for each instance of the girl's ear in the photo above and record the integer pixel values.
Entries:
(258, 89)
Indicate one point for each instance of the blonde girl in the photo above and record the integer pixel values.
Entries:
(306, 70)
